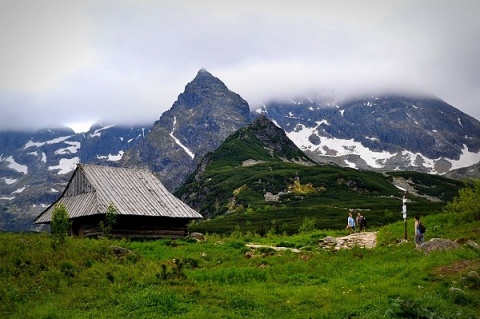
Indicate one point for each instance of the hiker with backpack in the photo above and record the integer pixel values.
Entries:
(361, 222)
(419, 231)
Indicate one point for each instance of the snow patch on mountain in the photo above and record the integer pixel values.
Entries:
(369, 104)
(190, 153)
(44, 156)
(262, 110)
(97, 132)
(291, 115)
(9, 181)
(350, 164)
(14, 165)
(41, 205)
(75, 146)
(18, 191)
(467, 158)
(417, 159)
(112, 158)
(276, 123)
(54, 141)
(335, 147)
(65, 165)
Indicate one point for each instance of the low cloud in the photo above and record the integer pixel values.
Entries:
(128, 61)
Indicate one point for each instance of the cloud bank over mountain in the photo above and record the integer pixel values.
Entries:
(68, 62)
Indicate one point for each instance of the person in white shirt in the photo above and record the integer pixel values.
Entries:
(350, 223)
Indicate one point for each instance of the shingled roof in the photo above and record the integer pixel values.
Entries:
(136, 192)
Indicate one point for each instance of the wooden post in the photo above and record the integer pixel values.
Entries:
(404, 210)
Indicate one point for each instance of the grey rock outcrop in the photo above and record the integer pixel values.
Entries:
(438, 244)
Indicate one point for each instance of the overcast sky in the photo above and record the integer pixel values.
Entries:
(64, 62)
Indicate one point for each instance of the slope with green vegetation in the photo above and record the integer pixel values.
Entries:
(221, 277)
(258, 180)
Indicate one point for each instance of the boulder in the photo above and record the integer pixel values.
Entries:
(438, 244)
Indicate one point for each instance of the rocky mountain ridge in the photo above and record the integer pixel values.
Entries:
(381, 133)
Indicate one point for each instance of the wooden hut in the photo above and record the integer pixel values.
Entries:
(146, 209)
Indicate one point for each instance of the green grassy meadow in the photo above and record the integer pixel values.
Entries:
(222, 278)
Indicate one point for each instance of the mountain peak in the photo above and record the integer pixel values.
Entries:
(204, 80)
(203, 71)
(262, 120)
(263, 140)
(203, 116)
(203, 75)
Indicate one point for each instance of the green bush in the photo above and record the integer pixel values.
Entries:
(109, 221)
(308, 225)
(408, 308)
(68, 268)
(286, 244)
(236, 244)
(468, 200)
(60, 225)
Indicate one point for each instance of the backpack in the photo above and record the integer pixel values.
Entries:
(363, 221)
(421, 228)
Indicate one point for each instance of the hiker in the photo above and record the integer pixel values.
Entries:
(419, 231)
(350, 223)
(357, 221)
(361, 222)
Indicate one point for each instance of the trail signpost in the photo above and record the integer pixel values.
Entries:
(404, 211)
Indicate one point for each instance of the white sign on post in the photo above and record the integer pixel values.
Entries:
(404, 207)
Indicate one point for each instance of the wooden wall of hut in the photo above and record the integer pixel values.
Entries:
(134, 227)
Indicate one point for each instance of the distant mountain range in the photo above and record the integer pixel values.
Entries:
(382, 133)
(258, 180)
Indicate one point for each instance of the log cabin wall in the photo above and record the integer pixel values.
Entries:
(134, 227)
